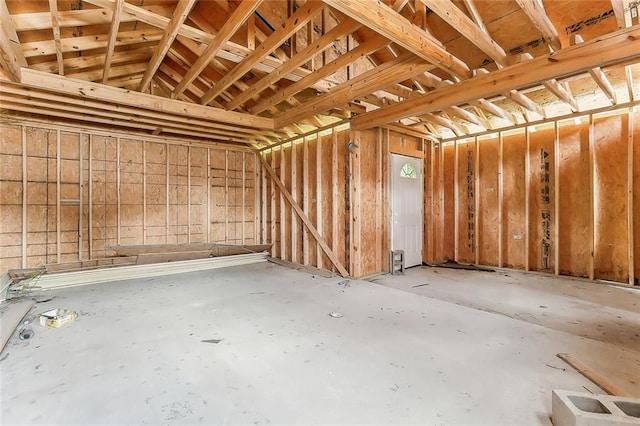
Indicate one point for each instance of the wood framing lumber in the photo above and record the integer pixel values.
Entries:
(598, 379)
(379, 17)
(305, 219)
(318, 46)
(55, 27)
(538, 16)
(366, 48)
(615, 48)
(299, 19)
(214, 248)
(180, 14)
(304, 268)
(97, 276)
(448, 11)
(85, 89)
(388, 73)
(237, 18)
(598, 75)
(113, 35)
(11, 57)
(11, 317)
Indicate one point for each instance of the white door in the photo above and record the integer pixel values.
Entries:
(406, 208)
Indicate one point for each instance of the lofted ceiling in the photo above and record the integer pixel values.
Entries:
(257, 72)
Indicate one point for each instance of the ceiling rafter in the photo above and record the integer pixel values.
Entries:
(469, 29)
(538, 16)
(79, 44)
(113, 35)
(11, 57)
(237, 18)
(180, 14)
(55, 27)
(311, 50)
(385, 21)
(293, 24)
(620, 47)
(386, 74)
(598, 75)
(366, 48)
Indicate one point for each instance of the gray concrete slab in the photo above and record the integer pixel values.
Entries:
(135, 356)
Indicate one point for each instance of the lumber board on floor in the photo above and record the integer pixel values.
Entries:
(10, 318)
(89, 264)
(597, 378)
(148, 258)
(215, 249)
(96, 276)
(304, 268)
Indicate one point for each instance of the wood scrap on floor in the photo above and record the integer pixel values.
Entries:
(597, 378)
(450, 264)
(308, 269)
(10, 318)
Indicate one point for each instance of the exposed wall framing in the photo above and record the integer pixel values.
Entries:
(558, 197)
(67, 193)
(339, 179)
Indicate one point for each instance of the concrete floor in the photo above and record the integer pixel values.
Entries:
(397, 355)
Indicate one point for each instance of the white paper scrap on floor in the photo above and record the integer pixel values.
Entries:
(256, 345)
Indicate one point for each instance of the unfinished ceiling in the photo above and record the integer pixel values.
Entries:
(257, 72)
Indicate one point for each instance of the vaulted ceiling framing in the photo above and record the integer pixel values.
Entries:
(258, 72)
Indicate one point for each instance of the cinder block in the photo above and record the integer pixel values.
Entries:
(584, 409)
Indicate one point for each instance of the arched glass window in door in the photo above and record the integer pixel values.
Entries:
(408, 172)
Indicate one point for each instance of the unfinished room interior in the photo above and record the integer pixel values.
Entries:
(320, 212)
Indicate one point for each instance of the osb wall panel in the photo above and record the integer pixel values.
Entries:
(448, 244)
(611, 249)
(636, 195)
(466, 202)
(591, 184)
(513, 203)
(541, 225)
(67, 195)
(371, 233)
(575, 226)
(487, 235)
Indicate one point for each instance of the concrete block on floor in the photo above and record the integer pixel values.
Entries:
(584, 409)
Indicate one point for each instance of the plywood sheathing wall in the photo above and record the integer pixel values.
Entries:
(65, 201)
(344, 192)
(556, 199)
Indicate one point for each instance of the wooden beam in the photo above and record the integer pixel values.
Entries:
(11, 57)
(388, 73)
(592, 203)
(366, 48)
(622, 13)
(382, 19)
(559, 90)
(180, 14)
(455, 17)
(500, 198)
(25, 191)
(305, 219)
(113, 35)
(244, 10)
(538, 16)
(299, 19)
(610, 49)
(473, 11)
(526, 103)
(320, 45)
(598, 75)
(103, 93)
(55, 27)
